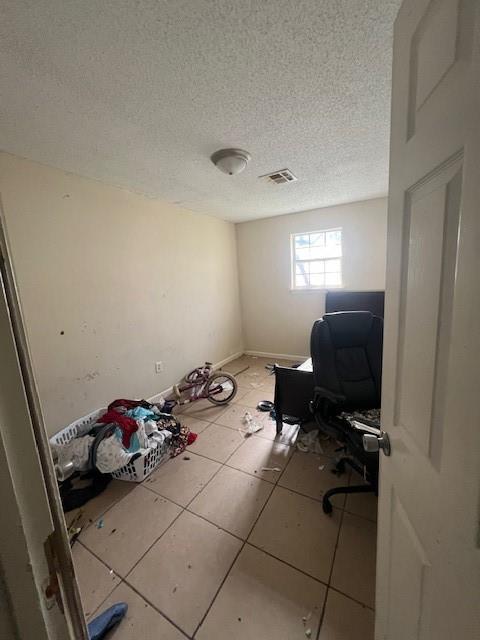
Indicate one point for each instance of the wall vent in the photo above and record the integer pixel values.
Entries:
(280, 177)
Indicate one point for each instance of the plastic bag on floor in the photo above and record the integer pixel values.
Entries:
(309, 442)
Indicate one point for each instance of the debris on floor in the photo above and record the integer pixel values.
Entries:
(252, 425)
(309, 442)
(271, 469)
(306, 618)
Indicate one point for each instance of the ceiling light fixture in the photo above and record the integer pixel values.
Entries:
(230, 161)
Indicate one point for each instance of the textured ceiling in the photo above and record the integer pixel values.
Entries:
(139, 93)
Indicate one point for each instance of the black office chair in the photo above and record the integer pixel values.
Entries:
(346, 349)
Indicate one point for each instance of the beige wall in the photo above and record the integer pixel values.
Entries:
(111, 282)
(278, 320)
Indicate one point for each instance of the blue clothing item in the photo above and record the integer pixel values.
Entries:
(134, 442)
(102, 624)
(140, 413)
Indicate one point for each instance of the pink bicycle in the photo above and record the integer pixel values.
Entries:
(218, 387)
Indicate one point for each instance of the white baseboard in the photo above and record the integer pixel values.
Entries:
(216, 365)
(279, 356)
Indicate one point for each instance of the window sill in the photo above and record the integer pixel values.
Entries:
(316, 289)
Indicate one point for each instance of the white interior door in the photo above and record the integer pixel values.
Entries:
(428, 567)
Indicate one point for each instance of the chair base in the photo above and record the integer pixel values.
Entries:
(327, 505)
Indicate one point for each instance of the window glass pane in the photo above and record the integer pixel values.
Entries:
(333, 238)
(334, 251)
(333, 279)
(302, 240)
(317, 239)
(317, 280)
(302, 254)
(317, 266)
(301, 281)
(332, 266)
(317, 253)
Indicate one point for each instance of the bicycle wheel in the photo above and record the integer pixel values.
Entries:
(221, 388)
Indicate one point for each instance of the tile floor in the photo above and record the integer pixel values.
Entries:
(215, 546)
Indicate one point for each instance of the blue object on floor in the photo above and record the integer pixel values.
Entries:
(102, 624)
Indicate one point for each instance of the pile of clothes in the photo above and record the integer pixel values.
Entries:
(127, 430)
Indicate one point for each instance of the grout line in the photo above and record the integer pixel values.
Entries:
(330, 575)
(154, 543)
(143, 597)
(288, 564)
(183, 509)
(231, 566)
(215, 524)
(362, 604)
(115, 584)
(100, 515)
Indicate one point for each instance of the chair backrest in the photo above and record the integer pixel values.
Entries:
(346, 349)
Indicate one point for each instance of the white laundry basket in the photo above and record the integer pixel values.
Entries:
(135, 471)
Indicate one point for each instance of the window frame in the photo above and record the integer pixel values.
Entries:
(294, 261)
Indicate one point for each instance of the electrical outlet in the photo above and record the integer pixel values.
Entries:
(158, 367)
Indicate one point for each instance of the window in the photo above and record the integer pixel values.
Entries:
(317, 259)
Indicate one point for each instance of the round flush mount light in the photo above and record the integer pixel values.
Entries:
(230, 161)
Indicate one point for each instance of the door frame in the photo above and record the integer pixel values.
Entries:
(34, 535)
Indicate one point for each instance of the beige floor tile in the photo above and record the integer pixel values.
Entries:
(95, 581)
(193, 423)
(217, 443)
(183, 571)
(142, 621)
(129, 528)
(204, 410)
(346, 620)
(233, 418)
(252, 398)
(295, 529)
(257, 454)
(265, 599)
(232, 500)
(235, 366)
(354, 567)
(241, 393)
(310, 474)
(257, 370)
(92, 510)
(180, 480)
(269, 431)
(251, 378)
(363, 504)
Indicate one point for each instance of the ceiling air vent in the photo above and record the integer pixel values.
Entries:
(280, 177)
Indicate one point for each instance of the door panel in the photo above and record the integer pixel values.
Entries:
(428, 561)
(409, 569)
(429, 254)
